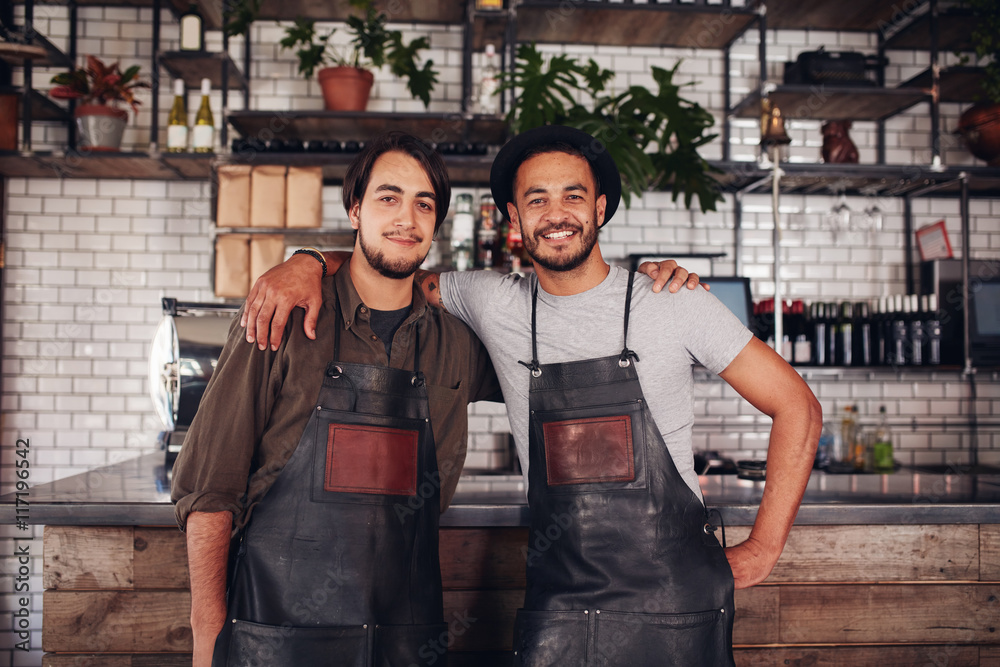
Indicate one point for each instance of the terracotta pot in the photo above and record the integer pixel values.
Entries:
(980, 127)
(345, 88)
(100, 127)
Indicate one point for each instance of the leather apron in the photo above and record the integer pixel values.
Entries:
(339, 563)
(623, 567)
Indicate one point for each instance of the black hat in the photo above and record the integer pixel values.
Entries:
(512, 154)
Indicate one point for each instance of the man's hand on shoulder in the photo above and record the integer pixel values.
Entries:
(669, 271)
(295, 283)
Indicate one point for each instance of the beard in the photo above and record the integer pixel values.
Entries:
(563, 261)
(397, 269)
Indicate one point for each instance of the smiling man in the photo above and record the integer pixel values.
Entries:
(317, 454)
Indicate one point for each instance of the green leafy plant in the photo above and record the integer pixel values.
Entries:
(98, 83)
(372, 45)
(237, 15)
(653, 136)
(986, 42)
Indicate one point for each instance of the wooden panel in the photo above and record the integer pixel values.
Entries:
(843, 15)
(116, 621)
(481, 620)
(160, 559)
(482, 557)
(989, 655)
(630, 25)
(109, 660)
(834, 102)
(891, 553)
(193, 66)
(901, 613)
(954, 30)
(422, 11)
(88, 558)
(757, 615)
(989, 552)
(883, 656)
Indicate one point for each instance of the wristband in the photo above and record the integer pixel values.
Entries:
(315, 254)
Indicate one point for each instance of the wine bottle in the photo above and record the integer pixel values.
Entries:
(488, 99)
(204, 123)
(845, 336)
(818, 312)
(192, 30)
(486, 233)
(916, 333)
(932, 331)
(177, 128)
(462, 232)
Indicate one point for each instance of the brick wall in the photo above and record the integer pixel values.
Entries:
(87, 261)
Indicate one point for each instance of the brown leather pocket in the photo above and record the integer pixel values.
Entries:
(592, 449)
(371, 459)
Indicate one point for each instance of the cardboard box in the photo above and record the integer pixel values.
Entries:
(233, 201)
(304, 197)
(267, 195)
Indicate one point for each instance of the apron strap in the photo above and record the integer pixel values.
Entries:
(627, 355)
(534, 367)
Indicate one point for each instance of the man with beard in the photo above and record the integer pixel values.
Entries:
(330, 460)
(597, 378)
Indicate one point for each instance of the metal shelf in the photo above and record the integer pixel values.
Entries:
(42, 106)
(852, 15)
(826, 102)
(53, 56)
(193, 66)
(399, 11)
(110, 164)
(957, 84)
(664, 24)
(954, 28)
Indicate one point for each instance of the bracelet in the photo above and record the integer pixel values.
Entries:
(315, 254)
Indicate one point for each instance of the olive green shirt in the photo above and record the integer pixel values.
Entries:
(257, 403)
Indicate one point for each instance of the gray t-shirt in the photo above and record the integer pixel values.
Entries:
(669, 332)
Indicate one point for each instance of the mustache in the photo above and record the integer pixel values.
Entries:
(416, 238)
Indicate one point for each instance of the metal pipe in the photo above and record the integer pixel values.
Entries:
(908, 242)
(154, 104)
(726, 104)
(738, 232)
(935, 88)
(779, 308)
(966, 251)
(29, 32)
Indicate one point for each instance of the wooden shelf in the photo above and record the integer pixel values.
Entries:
(488, 28)
(193, 66)
(211, 10)
(954, 29)
(462, 169)
(669, 24)
(851, 15)
(53, 56)
(958, 84)
(143, 166)
(833, 102)
(399, 11)
(42, 106)
(362, 126)
(858, 179)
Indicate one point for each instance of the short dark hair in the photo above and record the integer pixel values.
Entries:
(360, 170)
(554, 147)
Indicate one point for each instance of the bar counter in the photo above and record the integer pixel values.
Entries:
(900, 569)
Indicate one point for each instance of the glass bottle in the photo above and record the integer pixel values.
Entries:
(204, 124)
(932, 331)
(192, 30)
(462, 232)
(177, 128)
(488, 100)
(882, 460)
(848, 433)
(486, 233)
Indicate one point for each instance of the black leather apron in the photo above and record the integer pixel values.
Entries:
(622, 567)
(339, 563)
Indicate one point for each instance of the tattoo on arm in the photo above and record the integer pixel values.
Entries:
(429, 284)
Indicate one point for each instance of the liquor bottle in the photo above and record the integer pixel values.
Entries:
(898, 332)
(848, 433)
(831, 334)
(862, 353)
(824, 449)
(915, 335)
(462, 231)
(801, 347)
(488, 100)
(880, 331)
(486, 233)
(177, 128)
(192, 30)
(518, 255)
(204, 124)
(882, 461)
(818, 316)
(845, 336)
(932, 331)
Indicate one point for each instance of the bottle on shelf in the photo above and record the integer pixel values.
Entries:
(486, 233)
(518, 255)
(488, 98)
(824, 450)
(879, 331)
(898, 332)
(862, 325)
(849, 434)
(203, 139)
(845, 336)
(882, 460)
(463, 227)
(801, 347)
(177, 127)
(932, 331)
(915, 335)
(192, 30)
(817, 313)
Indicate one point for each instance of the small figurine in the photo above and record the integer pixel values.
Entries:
(837, 145)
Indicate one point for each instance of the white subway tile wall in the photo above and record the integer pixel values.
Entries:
(88, 260)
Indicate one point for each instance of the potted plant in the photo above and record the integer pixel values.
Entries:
(980, 124)
(347, 83)
(654, 137)
(100, 87)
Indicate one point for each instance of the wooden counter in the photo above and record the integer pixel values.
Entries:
(888, 593)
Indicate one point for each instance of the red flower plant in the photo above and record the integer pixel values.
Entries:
(99, 84)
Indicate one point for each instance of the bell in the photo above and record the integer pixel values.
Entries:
(772, 125)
